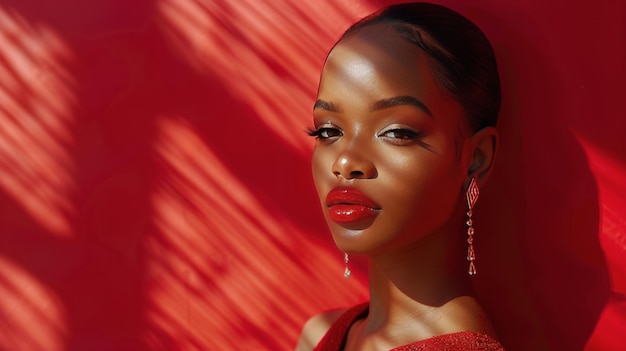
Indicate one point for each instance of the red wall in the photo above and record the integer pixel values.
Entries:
(155, 189)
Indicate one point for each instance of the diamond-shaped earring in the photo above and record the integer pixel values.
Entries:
(472, 196)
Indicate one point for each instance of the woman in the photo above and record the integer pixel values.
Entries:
(407, 103)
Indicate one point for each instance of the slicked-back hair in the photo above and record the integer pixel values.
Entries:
(463, 59)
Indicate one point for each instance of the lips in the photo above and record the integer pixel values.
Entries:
(350, 206)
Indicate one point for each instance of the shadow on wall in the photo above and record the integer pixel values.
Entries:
(191, 224)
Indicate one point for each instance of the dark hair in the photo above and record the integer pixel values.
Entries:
(464, 62)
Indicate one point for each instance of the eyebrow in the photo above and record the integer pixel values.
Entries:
(325, 105)
(378, 105)
(400, 100)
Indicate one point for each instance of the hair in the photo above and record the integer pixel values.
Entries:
(464, 62)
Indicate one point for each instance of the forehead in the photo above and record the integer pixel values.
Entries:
(377, 61)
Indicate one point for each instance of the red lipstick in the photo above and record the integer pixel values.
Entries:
(348, 205)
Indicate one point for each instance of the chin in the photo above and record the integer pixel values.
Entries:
(356, 242)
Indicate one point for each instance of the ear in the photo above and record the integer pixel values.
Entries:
(484, 144)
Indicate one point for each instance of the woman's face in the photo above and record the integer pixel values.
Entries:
(390, 161)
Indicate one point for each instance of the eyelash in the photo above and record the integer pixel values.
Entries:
(321, 133)
(404, 134)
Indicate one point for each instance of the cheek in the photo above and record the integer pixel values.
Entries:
(426, 190)
(321, 164)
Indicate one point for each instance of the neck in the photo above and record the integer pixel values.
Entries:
(413, 282)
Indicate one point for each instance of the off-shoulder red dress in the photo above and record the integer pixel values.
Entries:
(335, 338)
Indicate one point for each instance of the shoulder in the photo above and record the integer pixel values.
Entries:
(465, 314)
(316, 327)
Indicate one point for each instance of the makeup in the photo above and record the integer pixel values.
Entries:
(347, 205)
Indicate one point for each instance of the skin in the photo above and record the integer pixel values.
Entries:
(386, 127)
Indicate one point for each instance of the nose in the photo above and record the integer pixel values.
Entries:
(354, 165)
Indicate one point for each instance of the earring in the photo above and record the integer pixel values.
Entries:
(346, 272)
(472, 196)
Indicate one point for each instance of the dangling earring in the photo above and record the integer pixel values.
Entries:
(346, 272)
(472, 196)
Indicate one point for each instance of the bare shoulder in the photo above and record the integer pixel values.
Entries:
(467, 314)
(315, 328)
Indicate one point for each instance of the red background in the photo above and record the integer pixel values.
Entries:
(155, 190)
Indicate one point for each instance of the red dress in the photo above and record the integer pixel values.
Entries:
(335, 338)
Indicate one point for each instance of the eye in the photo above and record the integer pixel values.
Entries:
(400, 136)
(325, 133)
